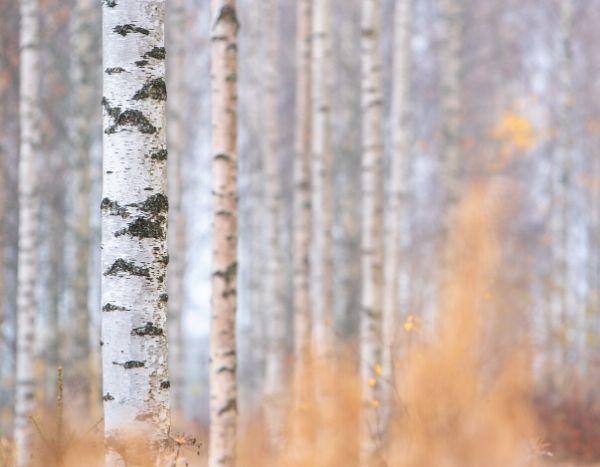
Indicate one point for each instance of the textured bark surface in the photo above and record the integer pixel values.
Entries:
(397, 193)
(372, 235)
(176, 136)
(83, 42)
(274, 286)
(223, 357)
(29, 106)
(134, 225)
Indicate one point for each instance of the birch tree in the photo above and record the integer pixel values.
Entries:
(371, 236)
(275, 359)
(223, 358)
(302, 203)
(397, 189)
(29, 105)
(176, 135)
(322, 179)
(562, 300)
(83, 104)
(451, 114)
(134, 225)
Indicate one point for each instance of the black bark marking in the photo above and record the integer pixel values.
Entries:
(157, 52)
(124, 29)
(222, 156)
(160, 155)
(111, 307)
(131, 364)
(144, 228)
(164, 297)
(141, 63)
(228, 15)
(165, 384)
(114, 208)
(108, 397)
(231, 405)
(148, 329)
(153, 89)
(228, 274)
(155, 204)
(113, 70)
(133, 118)
(120, 265)
(226, 369)
(110, 3)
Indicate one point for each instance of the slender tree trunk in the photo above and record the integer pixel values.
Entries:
(562, 193)
(397, 194)
(29, 106)
(176, 135)
(372, 238)
(275, 359)
(302, 179)
(322, 177)
(83, 105)
(301, 428)
(134, 226)
(223, 358)
(451, 17)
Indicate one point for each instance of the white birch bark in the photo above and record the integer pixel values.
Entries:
(134, 226)
(223, 358)
(275, 359)
(83, 112)
(397, 193)
(176, 137)
(29, 105)
(372, 221)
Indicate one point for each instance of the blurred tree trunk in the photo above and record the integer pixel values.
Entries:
(450, 78)
(223, 358)
(274, 281)
(396, 215)
(29, 108)
(134, 226)
(562, 301)
(301, 435)
(302, 185)
(372, 220)
(322, 181)
(176, 135)
(83, 42)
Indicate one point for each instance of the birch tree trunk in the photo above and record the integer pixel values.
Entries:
(134, 227)
(562, 193)
(397, 194)
(302, 179)
(322, 177)
(83, 104)
(223, 358)
(176, 136)
(301, 428)
(451, 108)
(29, 106)
(372, 220)
(275, 359)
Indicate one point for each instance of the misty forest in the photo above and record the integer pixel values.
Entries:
(297, 233)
